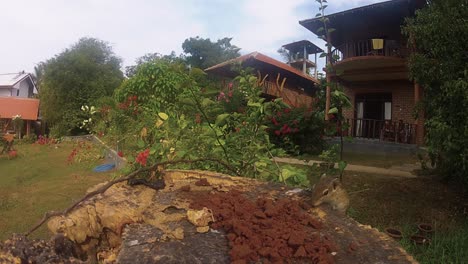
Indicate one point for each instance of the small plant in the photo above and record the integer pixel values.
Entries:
(29, 139)
(41, 140)
(330, 155)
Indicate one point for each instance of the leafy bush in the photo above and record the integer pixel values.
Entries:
(29, 139)
(297, 130)
(161, 114)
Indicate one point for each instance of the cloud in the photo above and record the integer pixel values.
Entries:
(34, 31)
(37, 30)
(268, 24)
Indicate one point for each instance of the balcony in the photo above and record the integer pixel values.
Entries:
(370, 47)
(371, 60)
(383, 130)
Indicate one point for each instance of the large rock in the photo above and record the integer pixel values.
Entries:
(136, 224)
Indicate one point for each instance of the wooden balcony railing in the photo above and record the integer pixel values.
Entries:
(391, 48)
(384, 130)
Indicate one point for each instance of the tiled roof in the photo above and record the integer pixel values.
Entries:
(263, 58)
(28, 108)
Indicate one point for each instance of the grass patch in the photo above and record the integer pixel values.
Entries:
(39, 180)
(402, 203)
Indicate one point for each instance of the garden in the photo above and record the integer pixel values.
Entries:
(200, 171)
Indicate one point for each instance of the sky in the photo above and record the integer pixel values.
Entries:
(32, 31)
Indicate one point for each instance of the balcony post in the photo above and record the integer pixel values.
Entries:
(315, 68)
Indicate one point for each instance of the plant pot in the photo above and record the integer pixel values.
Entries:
(327, 165)
(420, 240)
(425, 229)
(394, 233)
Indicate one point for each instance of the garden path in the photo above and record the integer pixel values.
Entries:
(397, 171)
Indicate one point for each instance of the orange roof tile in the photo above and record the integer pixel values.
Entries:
(28, 108)
(263, 58)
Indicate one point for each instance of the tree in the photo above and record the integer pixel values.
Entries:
(78, 76)
(438, 36)
(154, 57)
(202, 53)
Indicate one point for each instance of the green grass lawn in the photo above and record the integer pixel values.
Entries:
(40, 179)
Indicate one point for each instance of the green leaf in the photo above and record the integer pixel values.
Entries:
(153, 150)
(286, 173)
(254, 104)
(220, 119)
(140, 143)
(342, 165)
(163, 116)
(323, 54)
(333, 110)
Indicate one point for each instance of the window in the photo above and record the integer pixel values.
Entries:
(17, 92)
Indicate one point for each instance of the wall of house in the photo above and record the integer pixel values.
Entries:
(24, 89)
(291, 94)
(402, 98)
(5, 92)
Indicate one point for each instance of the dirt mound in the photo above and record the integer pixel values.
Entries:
(265, 229)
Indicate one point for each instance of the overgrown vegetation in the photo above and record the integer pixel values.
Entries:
(439, 38)
(161, 113)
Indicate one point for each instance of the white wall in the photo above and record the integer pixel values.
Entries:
(5, 92)
(24, 89)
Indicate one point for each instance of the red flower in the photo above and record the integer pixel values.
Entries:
(277, 132)
(142, 157)
(287, 110)
(274, 121)
(198, 118)
(237, 129)
(120, 154)
(278, 114)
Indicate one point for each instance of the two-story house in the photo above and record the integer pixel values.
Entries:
(16, 99)
(371, 65)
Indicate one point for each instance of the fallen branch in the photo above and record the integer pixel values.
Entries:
(132, 175)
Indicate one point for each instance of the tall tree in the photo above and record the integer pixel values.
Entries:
(203, 53)
(78, 76)
(439, 37)
(153, 57)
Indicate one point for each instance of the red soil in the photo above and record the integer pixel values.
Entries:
(272, 231)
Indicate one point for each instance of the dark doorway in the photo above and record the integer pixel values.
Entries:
(372, 109)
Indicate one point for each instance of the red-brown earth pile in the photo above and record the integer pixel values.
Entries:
(272, 231)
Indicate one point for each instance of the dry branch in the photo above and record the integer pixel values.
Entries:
(129, 176)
